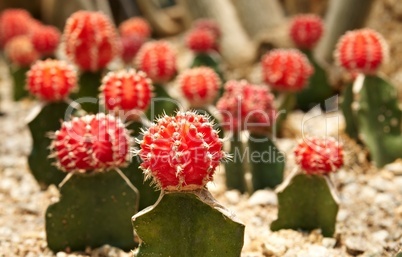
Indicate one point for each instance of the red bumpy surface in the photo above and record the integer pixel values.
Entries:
(201, 40)
(13, 22)
(210, 25)
(135, 27)
(306, 30)
(45, 39)
(20, 51)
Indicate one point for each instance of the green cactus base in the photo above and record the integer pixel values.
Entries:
(348, 113)
(234, 169)
(48, 120)
(379, 120)
(89, 83)
(317, 91)
(267, 163)
(162, 103)
(306, 202)
(188, 224)
(93, 210)
(18, 75)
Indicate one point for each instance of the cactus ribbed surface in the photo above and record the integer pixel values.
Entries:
(48, 120)
(306, 203)
(234, 169)
(348, 112)
(89, 83)
(188, 224)
(19, 77)
(94, 209)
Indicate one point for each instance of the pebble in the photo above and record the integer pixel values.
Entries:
(232, 196)
(263, 197)
(355, 245)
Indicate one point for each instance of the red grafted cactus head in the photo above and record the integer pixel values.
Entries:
(13, 22)
(286, 70)
(130, 46)
(200, 86)
(306, 30)
(127, 90)
(246, 106)
(135, 27)
(361, 50)
(319, 155)
(51, 80)
(21, 52)
(210, 25)
(91, 143)
(45, 39)
(158, 60)
(181, 152)
(201, 40)
(91, 40)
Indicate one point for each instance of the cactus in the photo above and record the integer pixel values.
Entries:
(307, 200)
(158, 61)
(21, 53)
(45, 39)
(95, 202)
(286, 71)
(13, 22)
(181, 153)
(351, 128)
(128, 93)
(50, 81)
(135, 26)
(130, 46)
(91, 42)
(235, 168)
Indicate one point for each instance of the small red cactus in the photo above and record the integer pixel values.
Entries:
(158, 60)
(181, 152)
(306, 30)
(319, 155)
(200, 40)
(20, 51)
(286, 70)
(361, 50)
(210, 25)
(127, 90)
(246, 106)
(13, 22)
(91, 143)
(90, 40)
(200, 86)
(130, 47)
(45, 39)
(51, 80)
(135, 27)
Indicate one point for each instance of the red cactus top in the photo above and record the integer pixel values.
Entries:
(245, 106)
(91, 40)
(20, 51)
(13, 22)
(319, 155)
(130, 46)
(200, 86)
(201, 40)
(158, 60)
(135, 27)
(181, 152)
(45, 39)
(306, 30)
(210, 25)
(362, 50)
(127, 90)
(51, 80)
(91, 143)
(286, 70)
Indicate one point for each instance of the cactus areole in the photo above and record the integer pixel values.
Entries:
(362, 51)
(91, 143)
(90, 40)
(319, 155)
(286, 70)
(51, 80)
(306, 30)
(181, 152)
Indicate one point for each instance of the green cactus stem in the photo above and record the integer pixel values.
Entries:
(188, 224)
(47, 120)
(94, 209)
(234, 169)
(162, 103)
(379, 118)
(148, 193)
(318, 89)
(89, 83)
(267, 163)
(306, 202)
(287, 104)
(208, 60)
(348, 113)
(19, 77)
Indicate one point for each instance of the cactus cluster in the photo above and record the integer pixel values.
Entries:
(13, 22)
